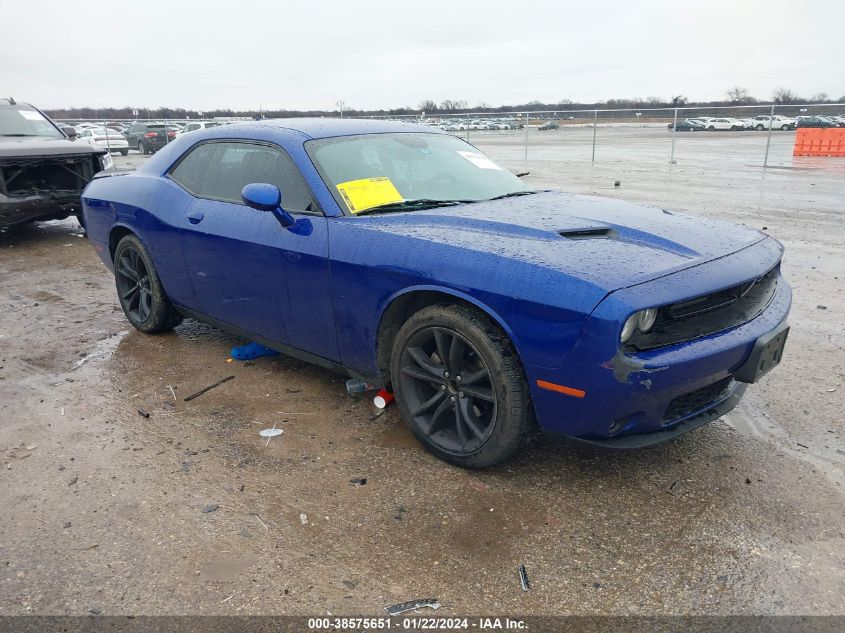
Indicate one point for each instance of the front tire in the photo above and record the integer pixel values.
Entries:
(460, 386)
(124, 152)
(139, 289)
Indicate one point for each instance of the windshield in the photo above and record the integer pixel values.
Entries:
(22, 121)
(373, 170)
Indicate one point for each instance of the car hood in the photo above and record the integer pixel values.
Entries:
(611, 243)
(13, 147)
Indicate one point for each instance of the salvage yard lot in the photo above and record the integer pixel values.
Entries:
(742, 516)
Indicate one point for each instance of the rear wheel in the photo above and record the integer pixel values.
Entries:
(139, 289)
(460, 386)
(141, 149)
(784, 127)
(124, 152)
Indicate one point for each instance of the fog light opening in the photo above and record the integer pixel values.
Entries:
(617, 426)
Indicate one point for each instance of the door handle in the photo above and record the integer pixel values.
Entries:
(195, 217)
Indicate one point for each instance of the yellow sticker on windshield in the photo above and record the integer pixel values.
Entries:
(368, 193)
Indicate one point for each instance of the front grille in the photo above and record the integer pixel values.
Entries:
(707, 314)
(694, 401)
(28, 175)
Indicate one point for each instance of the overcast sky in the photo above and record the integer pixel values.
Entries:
(386, 54)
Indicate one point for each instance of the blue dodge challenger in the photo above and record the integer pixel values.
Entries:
(405, 256)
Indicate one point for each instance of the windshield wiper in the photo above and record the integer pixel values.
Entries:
(413, 205)
(512, 194)
(18, 134)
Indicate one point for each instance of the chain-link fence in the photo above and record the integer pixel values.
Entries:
(747, 136)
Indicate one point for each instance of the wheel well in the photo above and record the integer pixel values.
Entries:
(399, 311)
(117, 234)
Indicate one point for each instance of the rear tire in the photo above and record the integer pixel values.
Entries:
(141, 148)
(139, 289)
(124, 152)
(460, 386)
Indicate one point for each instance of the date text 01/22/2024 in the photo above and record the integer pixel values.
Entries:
(416, 623)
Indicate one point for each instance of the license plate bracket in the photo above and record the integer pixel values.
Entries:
(765, 356)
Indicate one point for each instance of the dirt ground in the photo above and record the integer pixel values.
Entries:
(190, 511)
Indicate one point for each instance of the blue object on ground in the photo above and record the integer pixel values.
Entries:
(252, 350)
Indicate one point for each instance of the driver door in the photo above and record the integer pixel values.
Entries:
(246, 269)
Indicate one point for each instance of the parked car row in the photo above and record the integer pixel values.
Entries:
(461, 125)
(145, 136)
(760, 123)
(712, 124)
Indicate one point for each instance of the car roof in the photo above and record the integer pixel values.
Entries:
(328, 127)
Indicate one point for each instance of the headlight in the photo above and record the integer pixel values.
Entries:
(646, 319)
(642, 321)
(628, 328)
(106, 162)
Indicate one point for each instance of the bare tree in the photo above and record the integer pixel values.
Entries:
(784, 95)
(739, 95)
(453, 104)
(819, 97)
(427, 105)
(679, 100)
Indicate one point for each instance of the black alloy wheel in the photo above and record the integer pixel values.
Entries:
(133, 285)
(448, 389)
(139, 289)
(460, 386)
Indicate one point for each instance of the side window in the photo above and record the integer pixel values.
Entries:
(230, 166)
(191, 171)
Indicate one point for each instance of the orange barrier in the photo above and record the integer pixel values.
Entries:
(811, 141)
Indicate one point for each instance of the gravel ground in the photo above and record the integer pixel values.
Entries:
(190, 511)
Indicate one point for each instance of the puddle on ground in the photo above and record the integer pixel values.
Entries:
(747, 420)
(103, 347)
(397, 436)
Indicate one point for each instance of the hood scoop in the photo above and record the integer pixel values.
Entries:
(589, 234)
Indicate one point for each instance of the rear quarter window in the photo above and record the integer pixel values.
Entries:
(190, 172)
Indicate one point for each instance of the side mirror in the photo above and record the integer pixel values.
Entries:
(266, 197)
(70, 132)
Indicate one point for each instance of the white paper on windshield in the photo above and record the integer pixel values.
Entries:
(32, 115)
(479, 160)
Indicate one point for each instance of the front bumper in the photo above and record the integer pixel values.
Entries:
(16, 210)
(636, 399)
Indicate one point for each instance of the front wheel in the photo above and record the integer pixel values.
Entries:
(124, 152)
(460, 386)
(139, 289)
